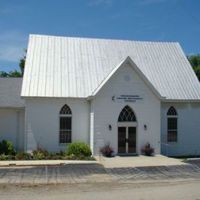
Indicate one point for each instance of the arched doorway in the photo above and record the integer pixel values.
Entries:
(127, 131)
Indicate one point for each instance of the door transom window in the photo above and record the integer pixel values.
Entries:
(127, 115)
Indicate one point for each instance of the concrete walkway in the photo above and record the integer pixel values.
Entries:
(138, 161)
(43, 162)
(114, 162)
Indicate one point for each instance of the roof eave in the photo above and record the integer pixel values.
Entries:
(12, 107)
(181, 100)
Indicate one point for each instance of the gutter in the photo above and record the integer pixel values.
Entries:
(181, 100)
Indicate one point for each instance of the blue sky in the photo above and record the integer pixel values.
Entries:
(154, 20)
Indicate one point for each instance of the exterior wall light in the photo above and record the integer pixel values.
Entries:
(145, 127)
(109, 127)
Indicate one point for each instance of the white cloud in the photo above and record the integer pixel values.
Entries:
(12, 45)
(106, 3)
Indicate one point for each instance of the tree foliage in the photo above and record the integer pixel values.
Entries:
(195, 62)
(22, 63)
(15, 73)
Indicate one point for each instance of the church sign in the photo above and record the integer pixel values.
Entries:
(126, 98)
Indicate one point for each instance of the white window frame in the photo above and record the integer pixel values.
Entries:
(175, 116)
(60, 130)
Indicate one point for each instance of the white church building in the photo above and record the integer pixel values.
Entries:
(102, 91)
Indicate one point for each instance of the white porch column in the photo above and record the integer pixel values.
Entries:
(92, 126)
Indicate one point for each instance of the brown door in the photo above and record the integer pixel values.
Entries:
(121, 140)
(131, 139)
(126, 140)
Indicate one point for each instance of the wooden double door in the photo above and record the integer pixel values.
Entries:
(126, 140)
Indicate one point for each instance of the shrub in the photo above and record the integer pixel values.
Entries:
(107, 151)
(78, 149)
(7, 148)
(147, 150)
(3, 157)
(40, 154)
(54, 156)
(6, 157)
(23, 156)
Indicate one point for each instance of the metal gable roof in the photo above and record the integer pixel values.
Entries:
(10, 89)
(75, 67)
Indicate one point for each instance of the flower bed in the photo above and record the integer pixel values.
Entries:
(74, 151)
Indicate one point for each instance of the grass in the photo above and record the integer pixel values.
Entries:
(185, 157)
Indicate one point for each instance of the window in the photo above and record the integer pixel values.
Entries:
(172, 121)
(127, 115)
(65, 125)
